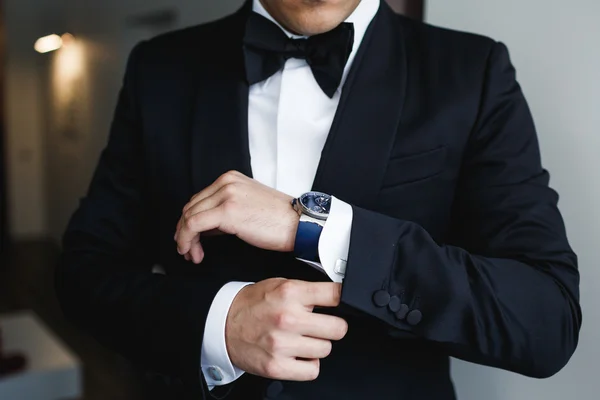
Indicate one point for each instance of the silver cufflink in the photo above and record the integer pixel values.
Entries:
(340, 267)
(215, 374)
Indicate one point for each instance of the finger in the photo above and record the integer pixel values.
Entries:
(187, 257)
(291, 369)
(311, 348)
(223, 180)
(201, 222)
(322, 326)
(204, 205)
(196, 250)
(213, 232)
(212, 201)
(178, 227)
(290, 344)
(208, 191)
(324, 294)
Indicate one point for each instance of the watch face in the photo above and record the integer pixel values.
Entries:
(316, 204)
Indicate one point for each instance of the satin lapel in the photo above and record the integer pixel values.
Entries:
(357, 151)
(219, 140)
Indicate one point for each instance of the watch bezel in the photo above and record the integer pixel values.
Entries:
(308, 211)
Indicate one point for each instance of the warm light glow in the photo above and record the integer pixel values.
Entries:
(67, 39)
(69, 64)
(68, 67)
(48, 43)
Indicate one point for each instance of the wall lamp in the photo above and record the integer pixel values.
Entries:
(52, 42)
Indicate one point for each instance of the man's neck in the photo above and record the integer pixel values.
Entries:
(261, 4)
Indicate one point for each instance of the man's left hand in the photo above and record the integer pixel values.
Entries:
(237, 205)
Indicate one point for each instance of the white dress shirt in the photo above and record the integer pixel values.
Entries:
(289, 118)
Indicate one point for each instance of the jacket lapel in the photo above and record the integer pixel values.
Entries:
(357, 151)
(219, 140)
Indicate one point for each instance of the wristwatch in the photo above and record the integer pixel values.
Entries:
(313, 207)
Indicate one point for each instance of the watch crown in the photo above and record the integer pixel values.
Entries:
(296, 206)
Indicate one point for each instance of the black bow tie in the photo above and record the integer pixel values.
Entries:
(267, 48)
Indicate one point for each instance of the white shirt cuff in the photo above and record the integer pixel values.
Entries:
(334, 243)
(214, 361)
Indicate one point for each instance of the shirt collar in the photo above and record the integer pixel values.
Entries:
(360, 18)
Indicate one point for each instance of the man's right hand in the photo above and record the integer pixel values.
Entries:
(272, 332)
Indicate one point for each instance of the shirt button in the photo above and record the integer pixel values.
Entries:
(215, 374)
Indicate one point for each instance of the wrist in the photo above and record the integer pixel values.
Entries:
(292, 231)
(232, 316)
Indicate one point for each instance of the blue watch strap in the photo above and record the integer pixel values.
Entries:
(306, 245)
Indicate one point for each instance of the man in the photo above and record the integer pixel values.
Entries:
(355, 198)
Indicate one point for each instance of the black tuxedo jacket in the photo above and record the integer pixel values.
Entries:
(434, 147)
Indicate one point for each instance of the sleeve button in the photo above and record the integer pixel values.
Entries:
(381, 298)
(402, 312)
(414, 317)
(394, 304)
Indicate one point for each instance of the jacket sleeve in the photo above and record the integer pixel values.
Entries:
(104, 281)
(503, 289)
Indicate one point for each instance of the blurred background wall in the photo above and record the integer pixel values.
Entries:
(555, 46)
(58, 108)
(59, 104)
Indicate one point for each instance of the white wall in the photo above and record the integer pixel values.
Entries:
(56, 124)
(555, 46)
